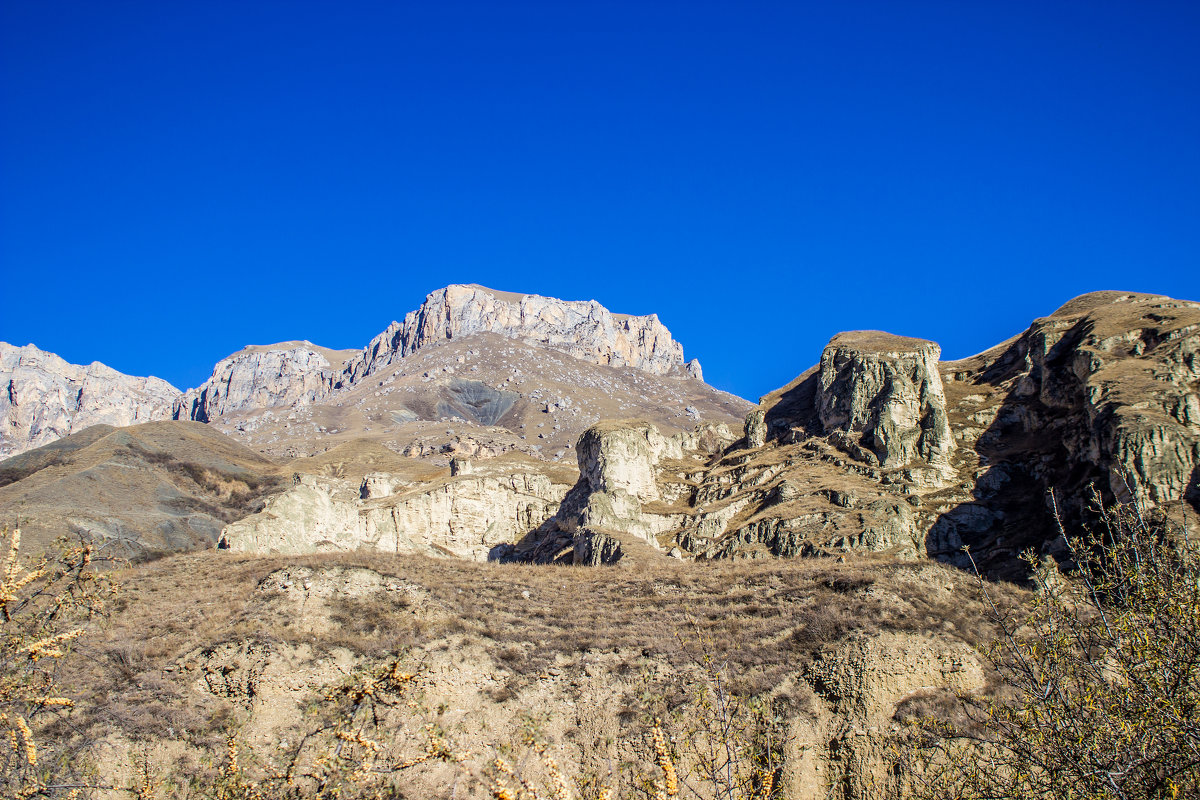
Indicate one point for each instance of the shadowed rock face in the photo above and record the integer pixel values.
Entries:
(43, 398)
(887, 391)
(476, 402)
(1104, 391)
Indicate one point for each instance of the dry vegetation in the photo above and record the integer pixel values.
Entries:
(764, 620)
(729, 634)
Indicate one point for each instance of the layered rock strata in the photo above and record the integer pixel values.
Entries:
(583, 329)
(44, 398)
(463, 517)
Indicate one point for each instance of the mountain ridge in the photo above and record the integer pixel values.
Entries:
(300, 372)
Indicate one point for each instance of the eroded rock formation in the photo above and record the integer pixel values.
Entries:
(881, 448)
(464, 516)
(887, 392)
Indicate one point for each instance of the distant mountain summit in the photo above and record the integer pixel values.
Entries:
(45, 398)
(48, 398)
(583, 329)
(300, 372)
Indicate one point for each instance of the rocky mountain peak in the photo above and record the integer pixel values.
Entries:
(264, 376)
(300, 373)
(583, 329)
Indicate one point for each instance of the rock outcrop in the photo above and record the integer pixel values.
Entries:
(463, 517)
(44, 398)
(603, 516)
(886, 391)
(583, 329)
(881, 448)
(1131, 365)
(268, 376)
(1100, 395)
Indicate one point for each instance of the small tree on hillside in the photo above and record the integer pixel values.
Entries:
(43, 607)
(1099, 677)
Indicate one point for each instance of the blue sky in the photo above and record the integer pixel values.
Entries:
(178, 180)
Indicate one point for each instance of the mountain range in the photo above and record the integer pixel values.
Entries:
(450, 434)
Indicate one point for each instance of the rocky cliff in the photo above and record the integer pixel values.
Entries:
(44, 398)
(882, 448)
(583, 329)
(886, 391)
(463, 516)
(470, 354)
(625, 501)
(270, 376)
(1100, 395)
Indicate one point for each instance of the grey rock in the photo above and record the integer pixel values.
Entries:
(44, 398)
(583, 329)
(267, 376)
(886, 390)
(593, 549)
(756, 428)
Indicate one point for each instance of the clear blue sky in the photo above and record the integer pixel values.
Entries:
(179, 179)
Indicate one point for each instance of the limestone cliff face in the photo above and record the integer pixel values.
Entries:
(299, 373)
(464, 517)
(886, 391)
(1133, 368)
(583, 329)
(43, 398)
(263, 377)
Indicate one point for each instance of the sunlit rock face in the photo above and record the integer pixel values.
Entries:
(264, 377)
(44, 398)
(301, 373)
(462, 517)
(583, 329)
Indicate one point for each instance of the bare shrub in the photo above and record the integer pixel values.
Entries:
(44, 608)
(1100, 679)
